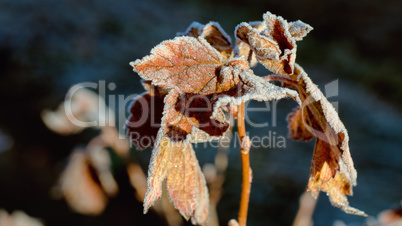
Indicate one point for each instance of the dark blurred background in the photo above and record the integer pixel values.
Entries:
(48, 46)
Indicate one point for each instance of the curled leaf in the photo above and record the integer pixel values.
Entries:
(275, 47)
(214, 35)
(242, 49)
(332, 169)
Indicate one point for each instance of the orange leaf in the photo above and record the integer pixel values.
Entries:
(187, 63)
(332, 169)
(186, 185)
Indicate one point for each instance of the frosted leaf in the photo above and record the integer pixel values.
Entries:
(186, 185)
(157, 171)
(185, 112)
(187, 63)
(298, 30)
(252, 87)
(214, 35)
(176, 162)
(242, 49)
(332, 169)
(275, 47)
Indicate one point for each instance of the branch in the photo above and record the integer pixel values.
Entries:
(246, 170)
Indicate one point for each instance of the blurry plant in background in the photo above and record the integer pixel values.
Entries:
(87, 181)
(17, 218)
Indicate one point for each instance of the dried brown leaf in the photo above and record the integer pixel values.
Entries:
(275, 47)
(214, 35)
(242, 48)
(191, 114)
(186, 185)
(332, 169)
(296, 127)
(187, 63)
(298, 30)
(144, 121)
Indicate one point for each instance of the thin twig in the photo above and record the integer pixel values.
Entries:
(246, 171)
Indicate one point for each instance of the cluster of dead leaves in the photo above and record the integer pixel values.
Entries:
(188, 81)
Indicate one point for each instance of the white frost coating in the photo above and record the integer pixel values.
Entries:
(299, 29)
(218, 26)
(201, 30)
(154, 192)
(167, 63)
(275, 47)
(159, 171)
(257, 32)
(256, 88)
(259, 25)
(334, 122)
(270, 20)
(266, 47)
(193, 25)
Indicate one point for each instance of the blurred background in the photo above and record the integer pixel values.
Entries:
(48, 46)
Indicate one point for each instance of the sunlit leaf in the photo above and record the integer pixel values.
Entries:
(332, 169)
(186, 184)
(176, 162)
(275, 47)
(187, 63)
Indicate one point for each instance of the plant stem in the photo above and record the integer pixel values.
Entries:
(246, 171)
